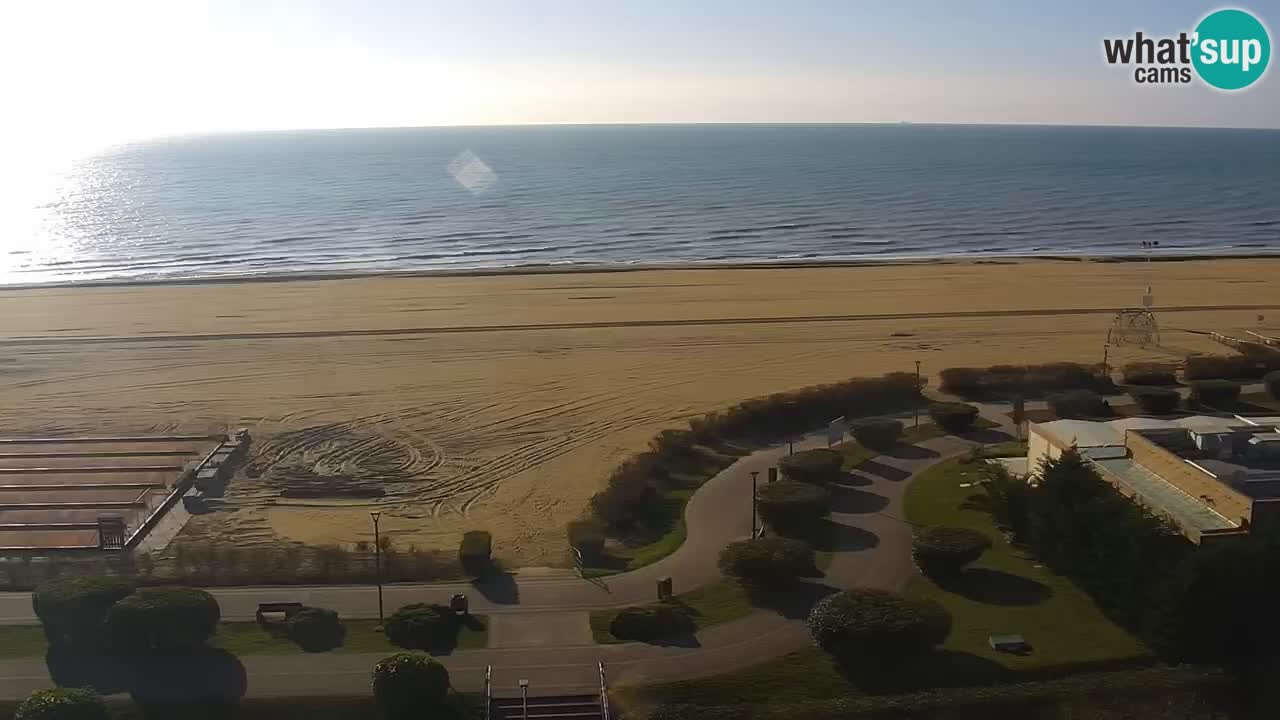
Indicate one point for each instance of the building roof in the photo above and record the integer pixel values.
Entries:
(1081, 433)
(1162, 496)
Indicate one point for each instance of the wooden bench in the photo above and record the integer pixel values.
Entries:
(284, 609)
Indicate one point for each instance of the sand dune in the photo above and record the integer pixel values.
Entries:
(501, 402)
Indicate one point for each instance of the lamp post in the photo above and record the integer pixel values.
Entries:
(917, 403)
(377, 560)
(754, 475)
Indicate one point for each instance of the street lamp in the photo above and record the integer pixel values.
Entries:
(754, 475)
(377, 555)
(917, 403)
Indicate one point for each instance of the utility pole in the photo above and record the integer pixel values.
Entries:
(754, 475)
(920, 393)
(377, 555)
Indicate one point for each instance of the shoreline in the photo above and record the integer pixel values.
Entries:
(608, 268)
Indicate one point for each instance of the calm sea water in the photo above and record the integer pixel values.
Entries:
(429, 198)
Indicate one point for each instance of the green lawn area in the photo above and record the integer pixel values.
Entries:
(720, 602)
(249, 638)
(855, 453)
(1013, 448)
(1007, 592)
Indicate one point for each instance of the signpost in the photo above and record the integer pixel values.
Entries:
(835, 431)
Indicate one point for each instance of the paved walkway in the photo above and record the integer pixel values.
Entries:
(542, 621)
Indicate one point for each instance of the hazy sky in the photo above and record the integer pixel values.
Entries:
(87, 72)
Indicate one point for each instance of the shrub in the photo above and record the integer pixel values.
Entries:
(1021, 380)
(588, 537)
(409, 685)
(766, 561)
(1215, 392)
(1009, 499)
(1079, 404)
(1234, 367)
(74, 610)
(164, 618)
(62, 704)
(672, 442)
(812, 466)
(1149, 373)
(631, 497)
(962, 381)
(876, 626)
(792, 507)
(876, 434)
(650, 623)
(476, 551)
(943, 552)
(1272, 380)
(1156, 400)
(422, 626)
(953, 417)
(315, 629)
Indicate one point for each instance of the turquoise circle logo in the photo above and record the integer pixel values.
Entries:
(1232, 49)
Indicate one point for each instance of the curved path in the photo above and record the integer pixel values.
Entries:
(538, 626)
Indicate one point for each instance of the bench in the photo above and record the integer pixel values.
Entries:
(284, 610)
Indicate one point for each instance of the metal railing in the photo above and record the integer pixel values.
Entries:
(604, 694)
(488, 691)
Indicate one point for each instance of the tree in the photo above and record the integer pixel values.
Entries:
(767, 561)
(791, 507)
(953, 417)
(1156, 400)
(868, 626)
(819, 466)
(62, 704)
(476, 552)
(73, 611)
(1008, 499)
(422, 626)
(407, 686)
(650, 623)
(943, 552)
(1078, 404)
(315, 629)
(876, 434)
(588, 537)
(1217, 393)
(164, 618)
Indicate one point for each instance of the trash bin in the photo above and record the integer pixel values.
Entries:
(773, 474)
(458, 603)
(664, 588)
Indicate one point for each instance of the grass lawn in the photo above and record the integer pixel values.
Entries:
(1006, 591)
(855, 453)
(18, 641)
(720, 602)
(1013, 448)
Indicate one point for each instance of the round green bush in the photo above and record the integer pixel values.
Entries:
(409, 686)
(943, 552)
(1156, 400)
(1272, 379)
(164, 618)
(315, 629)
(73, 611)
(422, 626)
(1215, 392)
(62, 704)
(792, 507)
(812, 466)
(1078, 404)
(650, 623)
(953, 417)
(475, 553)
(877, 626)
(876, 434)
(767, 561)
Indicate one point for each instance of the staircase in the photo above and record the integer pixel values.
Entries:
(553, 707)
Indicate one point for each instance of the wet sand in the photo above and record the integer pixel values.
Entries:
(501, 402)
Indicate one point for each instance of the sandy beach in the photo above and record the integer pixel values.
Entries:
(501, 402)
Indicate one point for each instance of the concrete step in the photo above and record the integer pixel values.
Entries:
(557, 707)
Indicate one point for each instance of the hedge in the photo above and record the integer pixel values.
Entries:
(1078, 404)
(1021, 379)
(315, 629)
(588, 537)
(73, 611)
(1232, 367)
(877, 434)
(1156, 400)
(953, 417)
(1272, 379)
(877, 626)
(476, 552)
(422, 626)
(1150, 373)
(1215, 392)
(407, 686)
(650, 623)
(943, 552)
(767, 561)
(164, 618)
(812, 466)
(62, 704)
(791, 507)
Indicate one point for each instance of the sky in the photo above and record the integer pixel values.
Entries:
(86, 73)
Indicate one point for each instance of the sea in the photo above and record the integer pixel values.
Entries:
(415, 199)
